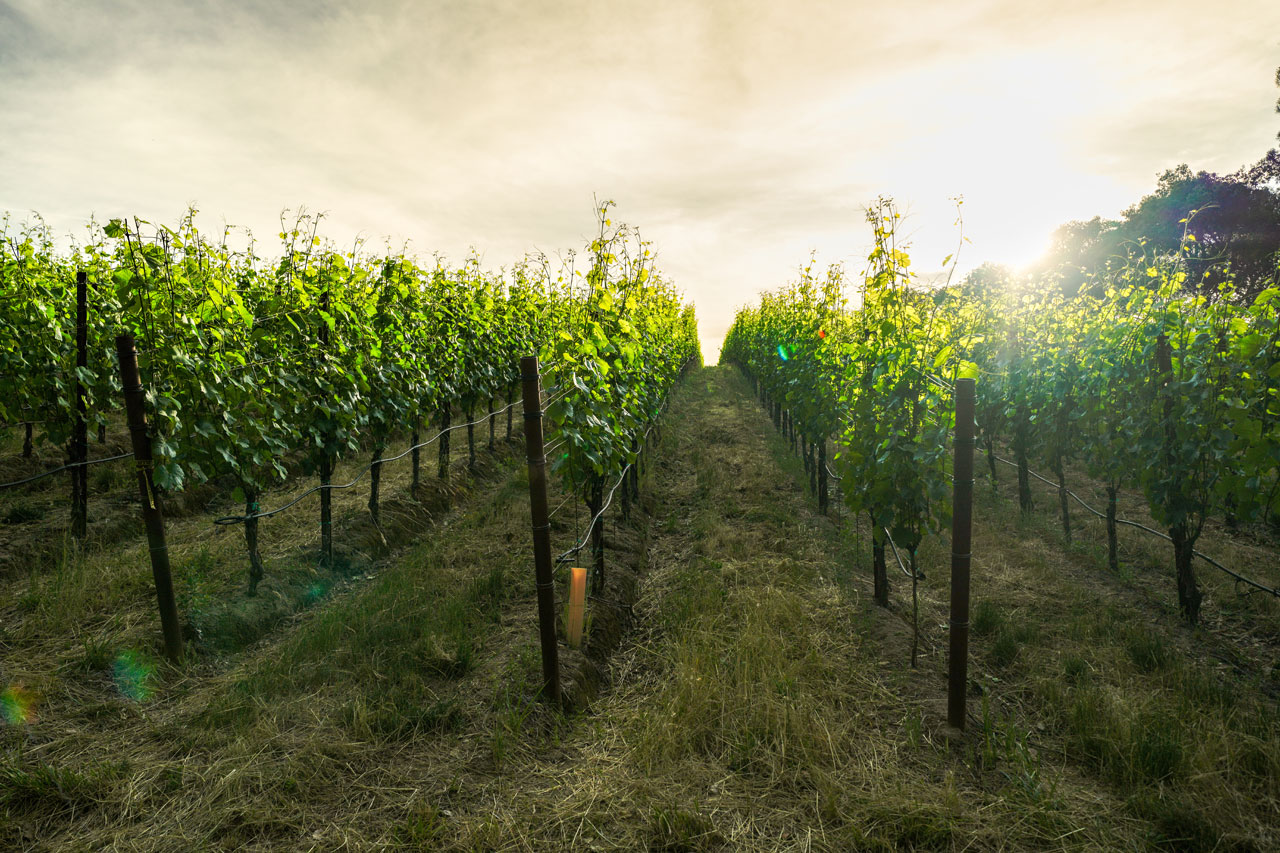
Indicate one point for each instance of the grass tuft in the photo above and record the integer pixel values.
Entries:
(31, 787)
(1177, 825)
(1004, 651)
(98, 653)
(986, 619)
(682, 830)
(424, 826)
(23, 512)
(1147, 649)
(1075, 670)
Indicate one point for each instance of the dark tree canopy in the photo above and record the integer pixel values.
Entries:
(1229, 224)
(1235, 226)
(1080, 250)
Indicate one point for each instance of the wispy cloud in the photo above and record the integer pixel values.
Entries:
(738, 134)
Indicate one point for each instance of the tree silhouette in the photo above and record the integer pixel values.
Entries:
(1232, 222)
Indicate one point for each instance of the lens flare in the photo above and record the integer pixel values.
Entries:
(132, 673)
(17, 705)
(822, 333)
(782, 353)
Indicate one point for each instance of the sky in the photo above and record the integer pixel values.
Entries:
(739, 136)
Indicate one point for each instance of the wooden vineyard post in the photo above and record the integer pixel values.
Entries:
(879, 569)
(510, 399)
(326, 461)
(326, 510)
(536, 455)
(375, 486)
(810, 464)
(446, 417)
(416, 459)
(134, 404)
(596, 507)
(1113, 554)
(633, 476)
(470, 410)
(79, 430)
(492, 421)
(961, 542)
(822, 475)
(1180, 534)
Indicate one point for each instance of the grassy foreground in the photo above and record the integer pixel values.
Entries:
(762, 702)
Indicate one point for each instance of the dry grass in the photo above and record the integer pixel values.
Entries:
(1101, 670)
(767, 707)
(763, 706)
(102, 593)
(1097, 672)
(312, 739)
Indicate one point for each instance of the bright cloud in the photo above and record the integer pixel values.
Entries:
(738, 134)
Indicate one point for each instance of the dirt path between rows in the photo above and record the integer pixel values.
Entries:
(763, 703)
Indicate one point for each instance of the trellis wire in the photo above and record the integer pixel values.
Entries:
(919, 575)
(240, 519)
(66, 467)
(582, 543)
(1238, 576)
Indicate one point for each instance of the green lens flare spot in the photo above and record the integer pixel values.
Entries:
(132, 673)
(17, 705)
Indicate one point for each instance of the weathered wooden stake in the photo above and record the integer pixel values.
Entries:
(879, 567)
(1182, 533)
(536, 456)
(470, 411)
(251, 510)
(961, 542)
(326, 510)
(1113, 555)
(446, 418)
(595, 506)
(1063, 506)
(989, 444)
(417, 453)
(810, 463)
(134, 404)
(326, 464)
(626, 495)
(1020, 442)
(493, 418)
(375, 484)
(79, 449)
(510, 399)
(822, 475)
(634, 476)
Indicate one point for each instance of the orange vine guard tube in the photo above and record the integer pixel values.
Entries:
(577, 598)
